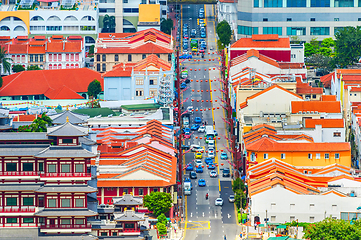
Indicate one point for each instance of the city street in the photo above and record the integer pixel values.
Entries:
(204, 220)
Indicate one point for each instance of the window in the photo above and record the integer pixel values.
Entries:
(129, 58)
(98, 58)
(153, 81)
(283, 155)
(65, 168)
(327, 156)
(65, 221)
(11, 167)
(28, 167)
(141, 191)
(153, 92)
(292, 218)
(245, 30)
(129, 225)
(292, 206)
(98, 67)
(297, 31)
(312, 219)
(51, 168)
(265, 156)
(104, 234)
(65, 202)
(289, 19)
(11, 201)
(273, 205)
(28, 220)
(272, 3)
(125, 191)
(79, 221)
(314, 96)
(28, 201)
(67, 140)
(11, 220)
(104, 67)
(104, 57)
(337, 134)
(344, 3)
(272, 30)
(79, 202)
(125, 1)
(51, 203)
(41, 58)
(318, 155)
(320, 3)
(36, 58)
(310, 156)
(265, 19)
(320, 31)
(139, 81)
(334, 207)
(114, 234)
(296, 3)
(312, 206)
(155, 189)
(31, 58)
(359, 19)
(337, 156)
(41, 167)
(169, 57)
(138, 92)
(79, 167)
(116, 57)
(336, 19)
(312, 19)
(256, 3)
(144, 56)
(273, 218)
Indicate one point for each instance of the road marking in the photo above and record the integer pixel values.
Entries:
(199, 225)
(203, 214)
(229, 215)
(215, 215)
(191, 214)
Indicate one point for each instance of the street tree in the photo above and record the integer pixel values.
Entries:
(4, 61)
(166, 25)
(162, 229)
(94, 88)
(162, 219)
(158, 202)
(33, 67)
(18, 68)
(224, 33)
(347, 46)
(330, 229)
(39, 124)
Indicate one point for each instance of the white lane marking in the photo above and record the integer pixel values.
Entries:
(229, 215)
(203, 214)
(215, 215)
(191, 214)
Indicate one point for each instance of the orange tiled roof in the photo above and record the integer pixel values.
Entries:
(24, 118)
(148, 48)
(63, 81)
(262, 41)
(152, 60)
(319, 106)
(326, 123)
(326, 80)
(305, 88)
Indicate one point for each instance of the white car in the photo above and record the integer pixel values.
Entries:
(213, 173)
(211, 145)
(202, 129)
(197, 148)
(190, 109)
(218, 202)
(231, 198)
(199, 162)
(211, 154)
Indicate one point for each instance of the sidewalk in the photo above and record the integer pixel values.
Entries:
(175, 232)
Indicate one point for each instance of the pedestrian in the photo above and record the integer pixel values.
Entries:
(175, 230)
(255, 226)
(225, 237)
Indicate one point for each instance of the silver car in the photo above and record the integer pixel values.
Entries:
(231, 198)
(202, 129)
(218, 202)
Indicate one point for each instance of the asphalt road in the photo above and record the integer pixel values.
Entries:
(204, 220)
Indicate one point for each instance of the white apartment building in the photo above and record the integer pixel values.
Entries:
(126, 13)
(304, 19)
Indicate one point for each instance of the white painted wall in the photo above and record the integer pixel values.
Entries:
(277, 201)
(319, 134)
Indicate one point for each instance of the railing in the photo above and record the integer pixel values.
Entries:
(19, 173)
(17, 209)
(131, 230)
(62, 226)
(65, 175)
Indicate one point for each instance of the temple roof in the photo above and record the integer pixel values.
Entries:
(72, 212)
(67, 130)
(8, 187)
(74, 118)
(23, 136)
(129, 215)
(65, 152)
(65, 189)
(128, 200)
(21, 149)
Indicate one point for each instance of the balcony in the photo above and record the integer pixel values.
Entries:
(17, 174)
(55, 175)
(28, 209)
(127, 230)
(67, 226)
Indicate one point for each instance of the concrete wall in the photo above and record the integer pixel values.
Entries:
(319, 134)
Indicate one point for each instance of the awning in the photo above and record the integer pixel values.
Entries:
(281, 227)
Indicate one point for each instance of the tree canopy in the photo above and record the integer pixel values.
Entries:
(238, 188)
(224, 33)
(158, 202)
(18, 68)
(108, 24)
(5, 61)
(166, 25)
(94, 88)
(33, 67)
(38, 125)
(333, 229)
(347, 46)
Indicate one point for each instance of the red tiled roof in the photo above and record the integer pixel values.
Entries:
(320, 106)
(43, 81)
(328, 98)
(145, 48)
(152, 60)
(62, 93)
(355, 89)
(326, 123)
(262, 41)
(24, 118)
(289, 65)
(305, 88)
(68, 46)
(270, 88)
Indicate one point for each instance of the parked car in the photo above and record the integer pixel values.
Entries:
(218, 202)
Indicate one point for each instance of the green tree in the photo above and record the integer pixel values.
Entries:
(162, 219)
(33, 67)
(1, 81)
(40, 124)
(328, 42)
(162, 229)
(108, 24)
(24, 128)
(166, 25)
(309, 50)
(322, 62)
(5, 61)
(94, 88)
(332, 229)
(91, 49)
(224, 33)
(18, 68)
(158, 202)
(347, 46)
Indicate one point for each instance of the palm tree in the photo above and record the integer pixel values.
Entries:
(4, 61)
(106, 23)
(112, 23)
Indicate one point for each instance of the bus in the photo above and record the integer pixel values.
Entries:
(209, 136)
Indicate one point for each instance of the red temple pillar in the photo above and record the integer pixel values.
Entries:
(3, 200)
(2, 164)
(59, 203)
(19, 165)
(36, 165)
(19, 200)
(171, 212)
